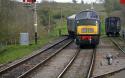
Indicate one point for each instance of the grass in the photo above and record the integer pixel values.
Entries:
(102, 28)
(59, 27)
(13, 52)
(2, 48)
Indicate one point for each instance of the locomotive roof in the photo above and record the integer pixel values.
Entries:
(87, 11)
(87, 14)
(71, 17)
(113, 17)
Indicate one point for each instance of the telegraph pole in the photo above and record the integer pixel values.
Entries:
(92, 6)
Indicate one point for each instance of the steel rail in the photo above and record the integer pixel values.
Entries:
(117, 45)
(44, 61)
(92, 64)
(69, 64)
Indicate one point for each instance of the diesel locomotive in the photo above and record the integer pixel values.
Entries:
(112, 26)
(86, 28)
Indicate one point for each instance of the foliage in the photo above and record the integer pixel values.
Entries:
(111, 5)
(14, 52)
(14, 19)
(45, 16)
(114, 8)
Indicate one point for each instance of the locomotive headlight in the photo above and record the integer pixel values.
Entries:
(96, 23)
(77, 22)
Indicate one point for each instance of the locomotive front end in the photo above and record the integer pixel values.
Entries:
(87, 28)
(87, 32)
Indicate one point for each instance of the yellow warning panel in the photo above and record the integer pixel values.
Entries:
(87, 30)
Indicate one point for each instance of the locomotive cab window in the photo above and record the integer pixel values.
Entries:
(86, 22)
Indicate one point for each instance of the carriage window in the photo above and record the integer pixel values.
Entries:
(86, 22)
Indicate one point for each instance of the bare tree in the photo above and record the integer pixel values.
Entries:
(82, 2)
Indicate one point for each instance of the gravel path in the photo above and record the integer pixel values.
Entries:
(118, 75)
(101, 66)
(80, 66)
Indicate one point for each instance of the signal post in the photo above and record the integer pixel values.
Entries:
(35, 17)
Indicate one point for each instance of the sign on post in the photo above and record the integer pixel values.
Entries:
(24, 39)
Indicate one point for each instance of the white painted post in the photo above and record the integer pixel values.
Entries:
(35, 22)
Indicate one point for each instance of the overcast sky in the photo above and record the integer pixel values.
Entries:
(86, 1)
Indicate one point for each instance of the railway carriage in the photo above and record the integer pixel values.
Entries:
(112, 26)
(71, 25)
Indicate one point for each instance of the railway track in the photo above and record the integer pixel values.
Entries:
(69, 64)
(54, 68)
(117, 45)
(20, 69)
(35, 53)
(119, 40)
(115, 41)
(92, 64)
(89, 69)
(103, 36)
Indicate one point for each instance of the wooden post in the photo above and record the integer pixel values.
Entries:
(60, 33)
(0, 44)
(15, 41)
(49, 24)
(11, 42)
(6, 43)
